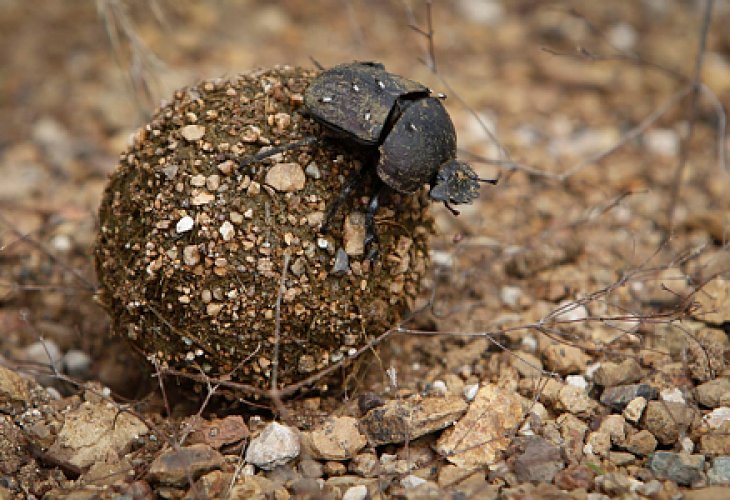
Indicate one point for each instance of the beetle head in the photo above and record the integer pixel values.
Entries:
(455, 183)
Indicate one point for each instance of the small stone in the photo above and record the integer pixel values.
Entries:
(597, 443)
(612, 374)
(359, 492)
(312, 171)
(681, 468)
(574, 477)
(227, 231)
(717, 417)
(342, 263)
(365, 465)
(338, 439)
(311, 468)
(649, 489)
(665, 419)
(334, 469)
(175, 467)
(213, 182)
(401, 420)
(618, 397)
(635, 409)
(482, 432)
(674, 395)
(353, 235)
(191, 255)
(615, 427)
(719, 473)
(412, 481)
(94, 431)
(641, 443)
(565, 359)
(13, 388)
(197, 180)
(614, 484)
(286, 177)
(714, 393)
(77, 363)
(578, 381)
(715, 443)
(576, 401)
(470, 391)
(623, 36)
(202, 198)
(540, 461)
(276, 445)
(192, 132)
(227, 167)
(185, 224)
(621, 458)
(217, 433)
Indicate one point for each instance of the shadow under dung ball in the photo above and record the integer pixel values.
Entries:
(191, 248)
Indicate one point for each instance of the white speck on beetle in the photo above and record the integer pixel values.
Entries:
(381, 84)
(355, 87)
(367, 117)
(326, 99)
(185, 224)
(412, 127)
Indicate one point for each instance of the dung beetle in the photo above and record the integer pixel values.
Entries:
(413, 133)
(407, 134)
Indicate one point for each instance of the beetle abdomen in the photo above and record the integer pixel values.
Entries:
(422, 138)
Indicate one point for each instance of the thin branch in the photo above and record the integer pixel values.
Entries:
(692, 118)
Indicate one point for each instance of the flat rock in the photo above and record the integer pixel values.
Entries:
(714, 393)
(681, 468)
(484, 430)
(14, 389)
(338, 439)
(176, 467)
(276, 445)
(96, 432)
(397, 421)
(219, 432)
(286, 177)
(714, 301)
(540, 461)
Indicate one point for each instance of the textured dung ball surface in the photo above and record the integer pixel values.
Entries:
(191, 248)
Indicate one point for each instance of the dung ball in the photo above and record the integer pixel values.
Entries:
(197, 253)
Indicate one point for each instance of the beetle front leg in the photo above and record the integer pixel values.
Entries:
(307, 141)
(371, 233)
(352, 181)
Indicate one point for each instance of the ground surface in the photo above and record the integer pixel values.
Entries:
(581, 307)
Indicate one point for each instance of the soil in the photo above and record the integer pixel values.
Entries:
(570, 338)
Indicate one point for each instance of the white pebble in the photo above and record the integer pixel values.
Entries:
(576, 381)
(470, 391)
(227, 231)
(359, 492)
(185, 224)
(672, 395)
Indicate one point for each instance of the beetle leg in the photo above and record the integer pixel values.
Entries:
(350, 184)
(451, 209)
(371, 233)
(307, 141)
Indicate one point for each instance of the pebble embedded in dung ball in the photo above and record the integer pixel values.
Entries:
(192, 245)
